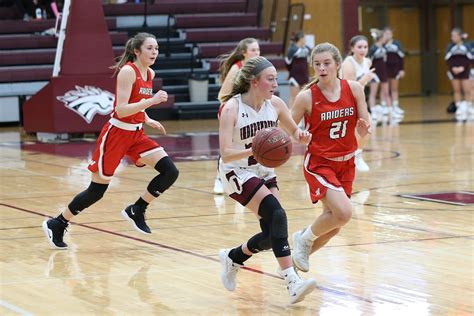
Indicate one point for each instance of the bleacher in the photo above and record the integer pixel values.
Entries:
(191, 35)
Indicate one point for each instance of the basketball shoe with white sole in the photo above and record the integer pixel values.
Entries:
(55, 230)
(229, 270)
(136, 216)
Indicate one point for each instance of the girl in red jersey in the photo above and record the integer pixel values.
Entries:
(229, 68)
(123, 136)
(333, 109)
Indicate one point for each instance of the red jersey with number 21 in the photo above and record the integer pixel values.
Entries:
(332, 123)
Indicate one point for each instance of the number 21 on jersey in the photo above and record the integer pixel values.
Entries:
(338, 130)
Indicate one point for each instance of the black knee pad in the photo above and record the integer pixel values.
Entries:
(281, 247)
(168, 175)
(279, 224)
(260, 241)
(274, 216)
(86, 198)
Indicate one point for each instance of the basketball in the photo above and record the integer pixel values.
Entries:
(272, 147)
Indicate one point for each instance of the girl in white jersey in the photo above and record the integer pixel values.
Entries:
(229, 68)
(250, 107)
(356, 67)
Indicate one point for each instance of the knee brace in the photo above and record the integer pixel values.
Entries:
(274, 216)
(86, 198)
(260, 241)
(168, 175)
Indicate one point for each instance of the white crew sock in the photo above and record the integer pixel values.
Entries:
(308, 234)
(289, 274)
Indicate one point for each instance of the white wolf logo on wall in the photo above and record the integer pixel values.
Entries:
(88, 101)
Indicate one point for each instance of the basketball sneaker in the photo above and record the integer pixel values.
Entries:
(55, 231)
(397, 109)
(229, 270)
(136, 215)
(360, 163)
(301, 250)
(299, 288)
(218, 189)
(376, 114)
(461, 111)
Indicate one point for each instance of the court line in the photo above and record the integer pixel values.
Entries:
(180, 250)
(15, 308)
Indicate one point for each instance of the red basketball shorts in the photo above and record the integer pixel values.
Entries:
(322, 174)
(114, 143)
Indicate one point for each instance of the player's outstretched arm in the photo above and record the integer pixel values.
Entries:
(287, 122)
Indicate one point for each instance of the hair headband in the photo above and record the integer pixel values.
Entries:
(263, 64)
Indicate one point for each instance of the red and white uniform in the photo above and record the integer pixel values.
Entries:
(124, 136)
(329, 158)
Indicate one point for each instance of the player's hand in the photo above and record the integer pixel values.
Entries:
(157, 125)
(401, 74)
(304, 137)
(160, 97)
(363, 127)
(369, 76)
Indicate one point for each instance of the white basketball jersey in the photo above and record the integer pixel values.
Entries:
(361, 69)
(249, 122)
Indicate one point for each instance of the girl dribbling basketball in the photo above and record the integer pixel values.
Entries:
(249, 107)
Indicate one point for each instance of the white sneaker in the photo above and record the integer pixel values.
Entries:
(299, 288)
(229, 270)
(470, 112)
(376, 114)
(397, 109)
(462, 111)
(360, 164)
(301, 249)
(218, 189)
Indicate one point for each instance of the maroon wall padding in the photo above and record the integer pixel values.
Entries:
(45, 113)
(350, 21)
(87, 56)
(87, 48)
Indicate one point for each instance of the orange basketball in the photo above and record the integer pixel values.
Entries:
(272, 147)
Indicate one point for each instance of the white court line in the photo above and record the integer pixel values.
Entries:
(15, 308)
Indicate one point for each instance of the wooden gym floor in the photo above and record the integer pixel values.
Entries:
(399, 255)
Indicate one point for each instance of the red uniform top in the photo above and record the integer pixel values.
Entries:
(332, 123)
(141, 89)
